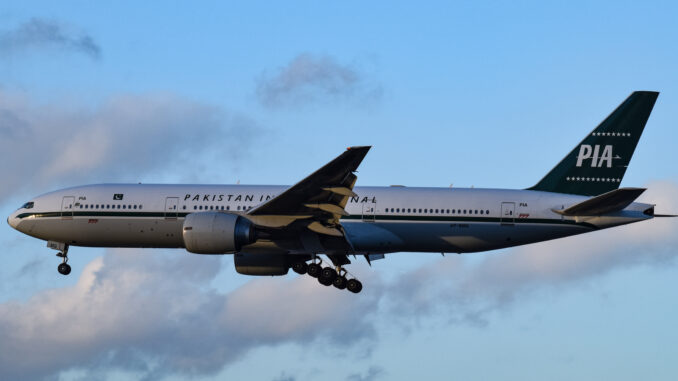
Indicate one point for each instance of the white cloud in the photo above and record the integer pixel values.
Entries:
(123, 139)
(156, 314)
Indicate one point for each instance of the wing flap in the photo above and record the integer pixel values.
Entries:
(323, 194)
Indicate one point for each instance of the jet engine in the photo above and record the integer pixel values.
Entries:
(261, 263)
(216, 233)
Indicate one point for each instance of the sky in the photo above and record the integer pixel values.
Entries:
(480, 93)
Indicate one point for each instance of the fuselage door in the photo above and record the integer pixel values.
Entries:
(369, 210)
(171, 208)
(67, 207)
(508, 211)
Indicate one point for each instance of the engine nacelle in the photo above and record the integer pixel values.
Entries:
(261, 263)
(216, 233)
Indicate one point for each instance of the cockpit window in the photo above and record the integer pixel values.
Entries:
(28, 205)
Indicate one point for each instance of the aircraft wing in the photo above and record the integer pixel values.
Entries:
(319, 199)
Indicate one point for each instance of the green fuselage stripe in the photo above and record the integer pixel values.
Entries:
(375, 218)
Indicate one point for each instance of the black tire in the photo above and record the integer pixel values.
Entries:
(340, 282)
(314, 270)
(300, 268)
(328, 275)
(324, 281)
(354, 286)
(64, 269)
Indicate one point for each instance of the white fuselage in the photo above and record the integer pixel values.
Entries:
(380, 220)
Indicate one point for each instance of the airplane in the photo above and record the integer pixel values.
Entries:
(270, 229)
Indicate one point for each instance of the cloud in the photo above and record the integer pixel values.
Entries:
(469, 290)
(156, 314)
(123, 139)
(38, 33)
(373, 373)
(311, 79)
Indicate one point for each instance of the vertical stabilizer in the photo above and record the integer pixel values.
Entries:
(597, 164)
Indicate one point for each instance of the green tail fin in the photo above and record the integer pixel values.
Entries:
(597, 164)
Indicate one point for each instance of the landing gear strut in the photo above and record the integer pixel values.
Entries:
(64, 268)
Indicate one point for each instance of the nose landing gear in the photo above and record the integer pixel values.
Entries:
(64, 268)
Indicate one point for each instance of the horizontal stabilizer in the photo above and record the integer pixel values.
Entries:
(609, 202)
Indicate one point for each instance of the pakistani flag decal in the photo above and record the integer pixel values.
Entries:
(117, 196)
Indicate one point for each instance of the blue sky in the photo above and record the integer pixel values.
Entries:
(484, 94)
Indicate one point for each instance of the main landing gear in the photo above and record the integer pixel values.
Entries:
(64, 268)
(328, 276)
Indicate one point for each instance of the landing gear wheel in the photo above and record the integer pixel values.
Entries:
(328, 274)
(314, 270)
(300, 268)
(324, 282)
(340, 282)
(64, 268)
(354, 286)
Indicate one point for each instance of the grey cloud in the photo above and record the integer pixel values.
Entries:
(31, 268)
(308, 79)
(123, 139)
(156, 315)
(285, 377)
(39, 33)
(373, 373)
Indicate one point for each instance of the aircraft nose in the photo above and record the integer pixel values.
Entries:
(13, 221)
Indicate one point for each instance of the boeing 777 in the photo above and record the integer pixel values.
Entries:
(271, 229)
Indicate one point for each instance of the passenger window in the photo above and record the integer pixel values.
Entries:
(124, 206)
(184, 208)
(195, 207)
(238, 207)
(487, 212)
(228, 207)
(464, 211)
(408, 210)
(436, 211)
